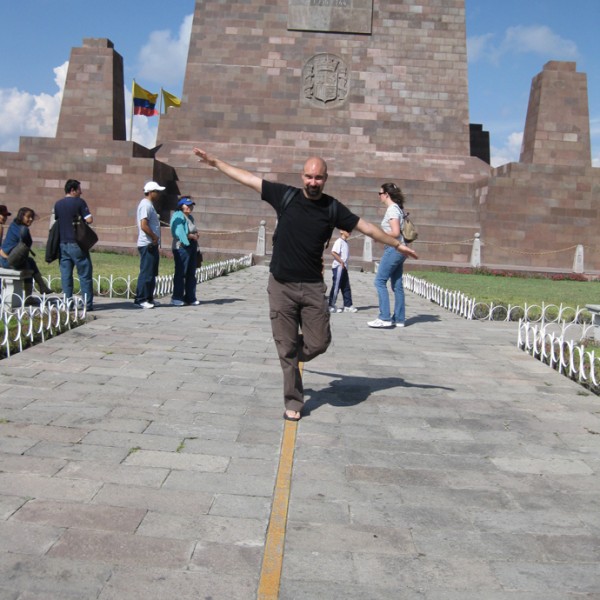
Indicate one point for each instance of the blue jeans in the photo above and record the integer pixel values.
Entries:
(184, 280)
(391, 268)
(72, 256)
(149, 258)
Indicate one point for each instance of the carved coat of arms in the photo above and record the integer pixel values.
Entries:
(325, 78)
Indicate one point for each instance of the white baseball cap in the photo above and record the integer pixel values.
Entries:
(152, 186)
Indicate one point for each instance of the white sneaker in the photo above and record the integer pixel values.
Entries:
(333, 309)
(195, 303)
(146, 305)
(379, 324)
(177, 303)
(399, 324)
(350, 309)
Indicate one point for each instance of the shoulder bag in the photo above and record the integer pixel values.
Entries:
(85, 236)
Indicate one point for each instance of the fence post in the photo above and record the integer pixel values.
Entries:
(367, 249)
(595, 310)
(476, 251)
(578, 260)
(261, 241)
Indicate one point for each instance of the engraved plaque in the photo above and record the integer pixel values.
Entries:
(325, 80)
(342, 16)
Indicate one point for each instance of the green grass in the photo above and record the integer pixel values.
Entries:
(107, 264)
(516, 290)
(482, 287)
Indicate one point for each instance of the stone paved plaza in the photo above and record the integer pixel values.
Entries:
(138, 458)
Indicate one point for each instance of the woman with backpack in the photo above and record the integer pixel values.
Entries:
(391, 265)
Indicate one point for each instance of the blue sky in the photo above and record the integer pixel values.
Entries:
(508, 44)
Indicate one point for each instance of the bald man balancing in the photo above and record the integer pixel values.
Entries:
(297, 302)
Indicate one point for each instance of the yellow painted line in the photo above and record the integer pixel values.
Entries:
(270, 575)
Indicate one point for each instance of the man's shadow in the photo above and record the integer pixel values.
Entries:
(350, 390)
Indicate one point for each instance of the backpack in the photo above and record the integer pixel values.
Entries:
(408, 229)
(285, 202)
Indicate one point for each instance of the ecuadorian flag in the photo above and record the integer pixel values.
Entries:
(143, 101)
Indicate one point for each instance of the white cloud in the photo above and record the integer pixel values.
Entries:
(521, 39)
(538, 39)
(478, 47)
(25, 114)
(509, 152)
(163, 58)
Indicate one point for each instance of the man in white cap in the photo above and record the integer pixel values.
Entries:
(148, 245)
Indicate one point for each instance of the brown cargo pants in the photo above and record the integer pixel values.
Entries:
(300, 324)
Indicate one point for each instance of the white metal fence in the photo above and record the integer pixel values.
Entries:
(548, 332)
(566, 357)
(42, 317)
(33, 324)
(472, 309)
(124, 287)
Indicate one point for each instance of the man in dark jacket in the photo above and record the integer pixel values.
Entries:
(66, 211)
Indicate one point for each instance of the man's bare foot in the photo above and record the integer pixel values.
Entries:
(292, 415)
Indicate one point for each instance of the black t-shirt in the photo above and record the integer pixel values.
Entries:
(302, 232)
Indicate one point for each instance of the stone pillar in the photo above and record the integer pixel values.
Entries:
(261, 245)
(578, 260)
(367, 249)
(476, 252)
(93, 105)
(557, 128)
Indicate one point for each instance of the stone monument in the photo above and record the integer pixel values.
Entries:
(544, 211)
(89, 146)
(379, 89)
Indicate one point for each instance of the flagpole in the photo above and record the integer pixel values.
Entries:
(131, 124)
(159, 108)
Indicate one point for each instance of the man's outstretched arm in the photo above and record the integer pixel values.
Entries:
(380, 236)
(240, 175)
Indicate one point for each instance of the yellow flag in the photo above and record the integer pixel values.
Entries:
(170, 100)
(143, 101)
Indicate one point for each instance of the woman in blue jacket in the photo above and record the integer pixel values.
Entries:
(185, 253)
(19, 232)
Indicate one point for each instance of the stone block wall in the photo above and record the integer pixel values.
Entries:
(534, 216)
(93, 107)
(250, 80)
(557, 130)
(404, 117)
